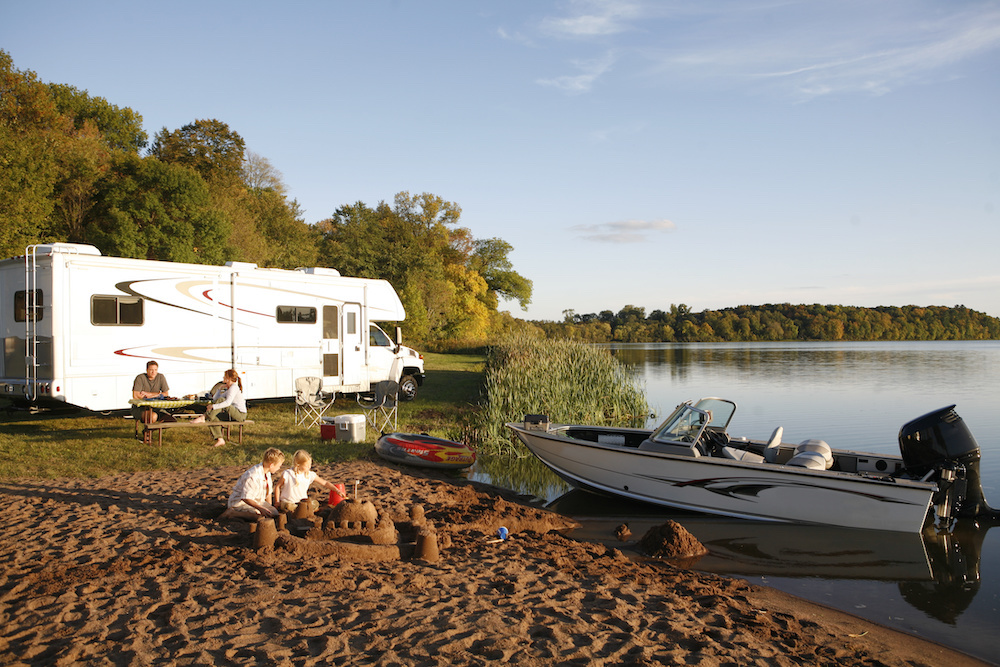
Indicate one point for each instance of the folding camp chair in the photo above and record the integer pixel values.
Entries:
(310, 401)
(382, 406)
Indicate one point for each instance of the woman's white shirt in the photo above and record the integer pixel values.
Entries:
(230, 396)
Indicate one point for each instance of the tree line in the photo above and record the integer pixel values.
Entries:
(775, 322)
(77, 168)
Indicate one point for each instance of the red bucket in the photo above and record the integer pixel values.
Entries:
(337, 494)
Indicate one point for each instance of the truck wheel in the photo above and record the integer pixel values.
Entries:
(407, 388)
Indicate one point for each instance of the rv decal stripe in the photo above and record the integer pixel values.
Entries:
(127, 287)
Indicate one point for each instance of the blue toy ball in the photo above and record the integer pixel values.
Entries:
(502, 533)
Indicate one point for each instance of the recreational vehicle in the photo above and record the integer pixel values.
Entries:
(78, 327)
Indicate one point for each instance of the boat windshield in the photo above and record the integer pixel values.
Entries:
(688, 421)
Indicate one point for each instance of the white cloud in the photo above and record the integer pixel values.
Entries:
(807, 49)
(593, 18)
(591, 71)
(873, 69)
(626, 231)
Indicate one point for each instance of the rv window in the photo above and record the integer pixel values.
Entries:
(21, 307)
(297, 314)
(379, 338)
(352, 323)
(116, 310)
(331, 323)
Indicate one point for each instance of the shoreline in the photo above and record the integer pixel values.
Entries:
(137, 565)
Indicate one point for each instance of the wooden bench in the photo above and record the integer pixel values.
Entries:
(147, 431)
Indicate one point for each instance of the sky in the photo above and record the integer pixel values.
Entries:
(712, 153)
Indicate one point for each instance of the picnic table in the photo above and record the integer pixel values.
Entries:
(169, 403)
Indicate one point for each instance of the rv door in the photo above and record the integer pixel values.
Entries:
(354, 351)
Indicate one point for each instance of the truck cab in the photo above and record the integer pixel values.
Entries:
(384, 353)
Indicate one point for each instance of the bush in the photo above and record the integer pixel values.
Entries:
(568, 381)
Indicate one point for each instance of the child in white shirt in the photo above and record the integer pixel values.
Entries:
(252, 495)
(295, 482)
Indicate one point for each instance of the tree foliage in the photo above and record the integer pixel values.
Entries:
(32, 132)
(490, 260)
(119, 128)
(207, 146)
(154, 210)
(450, 291)
(776, 322)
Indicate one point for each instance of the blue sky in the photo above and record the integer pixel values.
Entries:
(706, 152)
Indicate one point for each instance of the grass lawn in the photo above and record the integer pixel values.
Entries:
(91, 445)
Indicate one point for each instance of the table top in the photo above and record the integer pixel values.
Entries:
(168, 402)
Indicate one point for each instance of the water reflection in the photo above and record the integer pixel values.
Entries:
(954, 559)
(937, 573)
(525, 475)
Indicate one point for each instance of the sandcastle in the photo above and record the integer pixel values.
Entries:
(351, 529)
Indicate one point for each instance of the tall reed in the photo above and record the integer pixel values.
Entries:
(568, 381)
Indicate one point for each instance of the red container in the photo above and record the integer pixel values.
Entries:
(328, 431)
(337, 494)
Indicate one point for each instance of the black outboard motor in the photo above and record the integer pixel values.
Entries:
(940, 441)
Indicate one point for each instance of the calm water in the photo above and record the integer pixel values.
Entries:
(854, 396)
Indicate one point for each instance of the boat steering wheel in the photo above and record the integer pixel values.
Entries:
(715, 441)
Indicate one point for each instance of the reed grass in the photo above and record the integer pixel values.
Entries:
(569, 382)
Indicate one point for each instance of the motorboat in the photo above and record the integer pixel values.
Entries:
(691, 462)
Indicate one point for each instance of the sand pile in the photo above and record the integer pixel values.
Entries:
(135, 568)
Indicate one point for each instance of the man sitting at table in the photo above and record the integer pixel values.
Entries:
(149, 385)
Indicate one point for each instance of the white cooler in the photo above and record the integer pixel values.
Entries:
(350, 428)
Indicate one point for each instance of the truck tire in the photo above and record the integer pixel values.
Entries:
(407, 388)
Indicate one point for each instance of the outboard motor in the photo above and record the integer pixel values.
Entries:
(941, 442)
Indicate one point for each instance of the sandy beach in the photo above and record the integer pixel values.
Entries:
(137, 569)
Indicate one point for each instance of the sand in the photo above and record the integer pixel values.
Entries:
(137, 569)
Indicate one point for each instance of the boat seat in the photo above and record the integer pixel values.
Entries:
(812, 454)
(741, 455)
(773, 445)
(811, 460)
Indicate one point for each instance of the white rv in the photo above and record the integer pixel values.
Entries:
(78, 327)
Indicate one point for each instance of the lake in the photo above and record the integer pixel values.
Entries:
(853, 396)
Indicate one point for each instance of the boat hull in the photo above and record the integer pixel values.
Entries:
(757, 491)
(424, 450)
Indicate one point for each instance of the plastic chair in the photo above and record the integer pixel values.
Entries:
(381, 407)
(310, 401)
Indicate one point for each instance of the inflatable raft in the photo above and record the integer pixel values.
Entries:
(423, 450)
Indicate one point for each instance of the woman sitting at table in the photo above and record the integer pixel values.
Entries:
(228, 401)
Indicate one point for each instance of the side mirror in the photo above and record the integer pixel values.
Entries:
(398, 339)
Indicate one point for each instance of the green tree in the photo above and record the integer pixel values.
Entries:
(490, 260)
(207, 146)
(290, 242)
(449, 282)
(83, 162)
(154, 210)
(32, 134)
(120, 128)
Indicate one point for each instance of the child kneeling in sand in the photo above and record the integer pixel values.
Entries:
(252, 495)
(295, 482)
